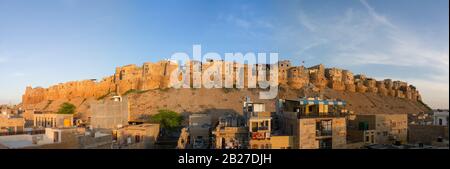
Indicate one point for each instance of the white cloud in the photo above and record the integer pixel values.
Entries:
(366, 37)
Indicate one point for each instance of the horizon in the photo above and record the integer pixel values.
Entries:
(49, 42)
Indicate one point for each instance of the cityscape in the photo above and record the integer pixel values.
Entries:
(314, 109)
(187, 75)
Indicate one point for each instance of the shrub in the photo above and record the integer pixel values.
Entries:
(168, 119)
(66, 108)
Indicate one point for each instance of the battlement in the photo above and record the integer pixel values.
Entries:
(152, 76)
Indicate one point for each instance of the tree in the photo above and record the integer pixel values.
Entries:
(66, 108)
(167, 119)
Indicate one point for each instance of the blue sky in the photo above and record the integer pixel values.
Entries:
(51, 41)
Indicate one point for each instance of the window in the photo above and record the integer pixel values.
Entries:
(137, 139)
(254, 126)
(55, 137)
(323, 128)
(310, 109)
(325, 144)
(440, 122)
(363, 126)
(367, 138)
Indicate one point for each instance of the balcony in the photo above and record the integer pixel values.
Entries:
(320, 115)
(261, 128)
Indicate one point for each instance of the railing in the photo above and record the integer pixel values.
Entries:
(255, 129)
(320, 115)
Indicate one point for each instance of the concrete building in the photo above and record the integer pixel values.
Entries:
(197, 135)
(313, 123)
(250, 108)
(52, 120)
(389, 128)
(422, 118)
(261, 134)
(440, 117)
(231, 133)
(110, 113)
(199, 130)
(143, 136)
(58, 138)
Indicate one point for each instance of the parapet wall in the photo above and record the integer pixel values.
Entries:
(151, 76)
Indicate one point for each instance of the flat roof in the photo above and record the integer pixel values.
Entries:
(17, 141)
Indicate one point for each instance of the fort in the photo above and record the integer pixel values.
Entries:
(147, 89)
(151, 76)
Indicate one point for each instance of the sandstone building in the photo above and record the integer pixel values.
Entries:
(385, 128)
(11, 124)
(52, 120)
(141, 136)
(313, 123)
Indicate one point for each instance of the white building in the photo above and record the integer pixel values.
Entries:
(440, 117)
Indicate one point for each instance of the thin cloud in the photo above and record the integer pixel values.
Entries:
(18, 74)
(304, 20)
(238, 21)
(379, 18)
(362, 36)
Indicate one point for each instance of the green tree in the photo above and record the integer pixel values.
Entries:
(167, 119)
(66, 108)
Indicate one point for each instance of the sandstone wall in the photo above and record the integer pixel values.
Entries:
(152, 76)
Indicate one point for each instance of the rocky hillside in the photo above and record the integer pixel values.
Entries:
(218, 101)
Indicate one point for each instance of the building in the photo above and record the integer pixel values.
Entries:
(199, 130)
(183, 140)
(422, 118)
(261, 135)
(384, 128)
(52, 120)
(434, 135)
(142, 136)
(231, 133)
(250, 108)
(197, 135)
(11, 125)
(58, 138)
(440, 117)
(28, 115)
(314, 123)
(110, 113)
